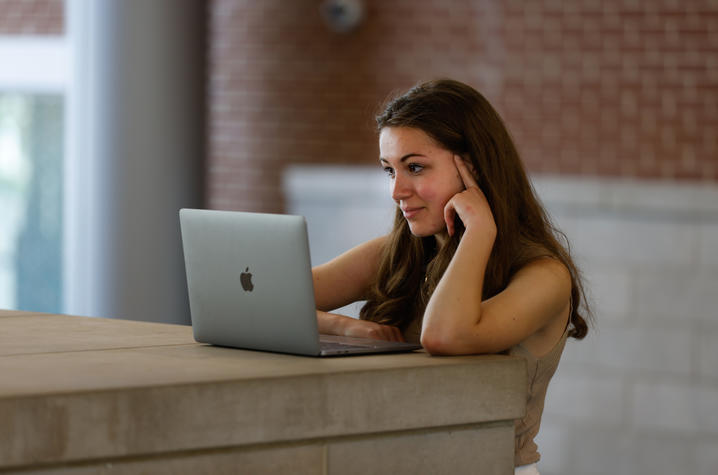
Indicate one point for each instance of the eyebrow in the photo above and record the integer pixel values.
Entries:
(402, 159)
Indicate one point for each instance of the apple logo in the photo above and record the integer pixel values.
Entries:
(246, 279)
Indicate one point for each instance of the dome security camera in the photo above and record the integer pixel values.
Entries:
(342, 16)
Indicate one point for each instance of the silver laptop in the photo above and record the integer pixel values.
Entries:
(250, 285)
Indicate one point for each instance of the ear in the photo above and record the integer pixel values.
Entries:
(469, 164)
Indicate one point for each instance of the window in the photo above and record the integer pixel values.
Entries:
(31, 173)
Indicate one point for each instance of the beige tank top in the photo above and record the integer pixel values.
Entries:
(540, 371)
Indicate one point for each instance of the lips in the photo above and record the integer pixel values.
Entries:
(410, 213)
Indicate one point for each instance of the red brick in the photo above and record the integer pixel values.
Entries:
(32, 17)
(586, 88)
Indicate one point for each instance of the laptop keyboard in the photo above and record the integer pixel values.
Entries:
(331, 345)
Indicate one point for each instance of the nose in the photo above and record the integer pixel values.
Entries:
(400, 188)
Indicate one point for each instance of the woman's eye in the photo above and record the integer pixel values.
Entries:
(389, 171)
(415, 168)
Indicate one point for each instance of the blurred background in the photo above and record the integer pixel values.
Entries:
(114, 114)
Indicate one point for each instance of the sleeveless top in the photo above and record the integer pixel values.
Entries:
(539, 373)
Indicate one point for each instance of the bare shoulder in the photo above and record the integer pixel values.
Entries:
(347, 277)
(366, 253)
(548, 284)
(547, 272)
(539, 293)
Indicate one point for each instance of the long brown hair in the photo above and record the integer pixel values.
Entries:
(462, 121)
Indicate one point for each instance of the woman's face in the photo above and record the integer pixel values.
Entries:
(423, 177)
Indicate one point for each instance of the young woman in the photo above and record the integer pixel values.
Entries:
(473, 264)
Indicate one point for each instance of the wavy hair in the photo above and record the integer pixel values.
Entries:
(461, 120)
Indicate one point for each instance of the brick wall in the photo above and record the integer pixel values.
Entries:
(611, 88)
(32, 17)
(617, 88)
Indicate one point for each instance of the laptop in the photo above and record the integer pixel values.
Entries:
(250, 285)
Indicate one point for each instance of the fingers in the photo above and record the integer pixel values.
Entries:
(449, 216)
(391, 333)
(465, 173)
(378, 331)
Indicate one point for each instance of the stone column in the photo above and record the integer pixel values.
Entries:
(134, 154)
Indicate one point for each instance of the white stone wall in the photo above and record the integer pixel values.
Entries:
(640, 394)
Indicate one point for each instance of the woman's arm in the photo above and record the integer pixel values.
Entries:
(532, 307)
(344, 280)
(456, 321)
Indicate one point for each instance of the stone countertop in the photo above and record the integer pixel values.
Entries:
(78, 388)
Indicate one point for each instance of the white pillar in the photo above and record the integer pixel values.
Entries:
(134, 154)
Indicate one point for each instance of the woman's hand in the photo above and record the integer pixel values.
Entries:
(334, 324)
(376, 331)
(471, 205)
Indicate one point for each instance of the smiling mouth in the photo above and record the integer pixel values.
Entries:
(410, 213)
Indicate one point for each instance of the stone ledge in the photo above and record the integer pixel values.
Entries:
(32, 333)
(121, 422)
(450, 450)
(69, 406)
(18, 313)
